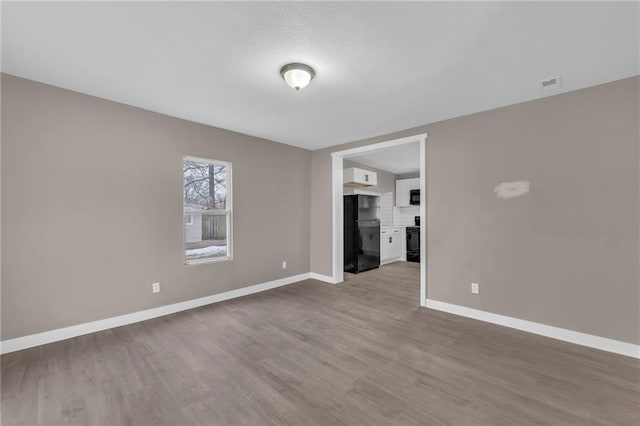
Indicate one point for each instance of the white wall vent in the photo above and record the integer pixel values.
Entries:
(551, 85)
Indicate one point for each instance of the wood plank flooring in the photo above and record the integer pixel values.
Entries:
(311, 353)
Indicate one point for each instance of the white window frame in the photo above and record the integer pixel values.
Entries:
(228, 212)
(190, 217)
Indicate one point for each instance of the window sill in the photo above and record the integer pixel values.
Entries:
(206, 261)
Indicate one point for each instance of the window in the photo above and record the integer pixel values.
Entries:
(207, 210)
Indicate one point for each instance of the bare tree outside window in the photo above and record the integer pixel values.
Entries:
(205, 185)
(207, 205)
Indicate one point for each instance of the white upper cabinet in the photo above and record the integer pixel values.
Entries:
(403, 186)
(355, 176)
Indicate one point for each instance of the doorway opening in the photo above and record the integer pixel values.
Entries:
(338, 165)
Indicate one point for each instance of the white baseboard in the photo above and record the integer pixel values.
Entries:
(51, 336)
(597, 342)
(320, 277)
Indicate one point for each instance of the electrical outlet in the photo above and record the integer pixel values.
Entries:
(155, 287)
(284, 264)
(475, 288)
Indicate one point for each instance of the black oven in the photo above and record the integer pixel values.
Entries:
(414, 197)
(413, 244)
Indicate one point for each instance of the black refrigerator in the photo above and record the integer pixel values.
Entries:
(361, 233)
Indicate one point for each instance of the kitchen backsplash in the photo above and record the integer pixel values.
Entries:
(405, 216)
(393, 216)
(386, 209)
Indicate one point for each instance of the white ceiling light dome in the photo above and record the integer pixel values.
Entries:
(297, 76)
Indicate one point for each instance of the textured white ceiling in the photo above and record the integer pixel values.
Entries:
(398, 160)
(381, 67)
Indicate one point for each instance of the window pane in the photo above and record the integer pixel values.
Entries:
(205, 210)
(205, 185)
(210, 238)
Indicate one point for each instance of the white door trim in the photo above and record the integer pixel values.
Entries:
(337, 219)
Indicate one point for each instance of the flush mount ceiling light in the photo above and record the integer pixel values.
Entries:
(297, 76)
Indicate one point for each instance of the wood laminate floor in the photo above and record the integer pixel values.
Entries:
(360, 353)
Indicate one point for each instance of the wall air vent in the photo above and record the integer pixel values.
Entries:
(551, 85)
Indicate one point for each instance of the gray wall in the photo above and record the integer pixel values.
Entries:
(565, 254)
(92, 208)
(386, 181)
